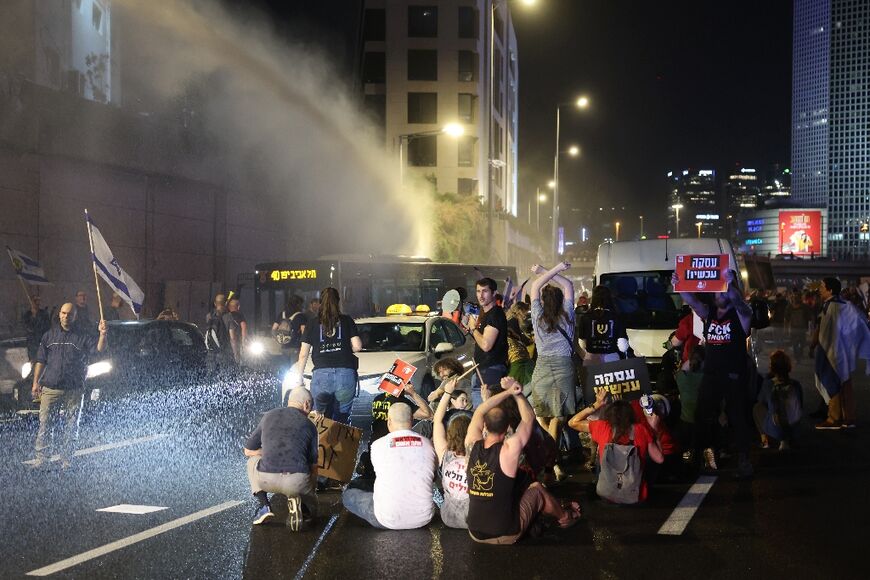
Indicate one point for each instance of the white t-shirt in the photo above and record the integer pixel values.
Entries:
(454, 475)
(405, 464)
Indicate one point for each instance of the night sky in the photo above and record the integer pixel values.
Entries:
(673, 84)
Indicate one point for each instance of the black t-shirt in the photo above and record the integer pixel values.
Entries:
(601, 329)
(725, 346)
(332, 351)
(498, 354)
(381, 406)
(288, 439)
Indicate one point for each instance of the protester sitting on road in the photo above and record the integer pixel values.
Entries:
(779, 403)
(282, 458)
(497, 512)
(405, 464)
(450, 448)
(445, 369)
(616, 423)
(381, 404)
(553, 380)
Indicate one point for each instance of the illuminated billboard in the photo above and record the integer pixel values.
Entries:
(800, 232)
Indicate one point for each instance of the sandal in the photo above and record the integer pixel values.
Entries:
(572, 510)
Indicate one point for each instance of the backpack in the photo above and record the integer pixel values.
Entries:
(216, 335)
(285, 334)
(621, 472)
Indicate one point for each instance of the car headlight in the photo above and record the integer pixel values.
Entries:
(25, 370)
(99, 368)
(256, 348)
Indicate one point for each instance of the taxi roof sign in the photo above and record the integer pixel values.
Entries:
(398, 309)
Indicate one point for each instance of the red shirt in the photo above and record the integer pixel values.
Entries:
(685, 334)
(666, 440)
(601, 433)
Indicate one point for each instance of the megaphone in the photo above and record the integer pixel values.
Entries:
(450, 302)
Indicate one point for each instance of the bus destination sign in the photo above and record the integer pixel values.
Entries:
(284, 275)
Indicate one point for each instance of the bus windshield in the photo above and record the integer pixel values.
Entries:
(644, 300)
(391, 336)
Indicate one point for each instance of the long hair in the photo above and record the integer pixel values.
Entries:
(620, 416)
(601, 298)
(551, 299)
(330, 310)
(780, 365)
(457, 428)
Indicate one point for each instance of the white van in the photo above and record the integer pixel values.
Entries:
(638, 274)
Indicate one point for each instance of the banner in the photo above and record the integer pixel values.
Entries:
(702, 273)
(28, 269)
(398, 376)
(337, 448)
(800, 232)
(625, 379)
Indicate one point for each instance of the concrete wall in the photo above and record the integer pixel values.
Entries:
(179, 238)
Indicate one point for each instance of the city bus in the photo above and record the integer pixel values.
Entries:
(368, 285)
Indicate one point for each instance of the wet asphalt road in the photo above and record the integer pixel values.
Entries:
(804, 515)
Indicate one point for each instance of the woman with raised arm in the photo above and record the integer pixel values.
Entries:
(553, 385)
(449, 444)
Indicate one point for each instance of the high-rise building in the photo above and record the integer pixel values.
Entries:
(831, 114)
(692, 200)
(425, 66)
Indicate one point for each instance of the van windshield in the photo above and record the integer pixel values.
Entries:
(644, 300)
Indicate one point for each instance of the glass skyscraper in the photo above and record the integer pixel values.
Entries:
(831, 117)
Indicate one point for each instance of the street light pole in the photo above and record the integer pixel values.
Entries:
(677, 207)
(699, 228)
(641, 227)
(617, 231)
(555, 239)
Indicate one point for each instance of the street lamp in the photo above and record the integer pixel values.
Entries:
(617, 231)
(699, 224)
(677, 207)
(582, 103)
(538, 199)
(573, 151)
(641, 228)
(454, 130)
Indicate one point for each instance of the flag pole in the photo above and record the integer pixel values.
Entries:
(94, 264)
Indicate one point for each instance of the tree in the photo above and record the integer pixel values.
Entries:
(459, 229)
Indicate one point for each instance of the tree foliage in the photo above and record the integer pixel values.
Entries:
(459, 229)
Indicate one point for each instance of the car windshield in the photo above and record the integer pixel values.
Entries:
(644, 300)
(391, 336)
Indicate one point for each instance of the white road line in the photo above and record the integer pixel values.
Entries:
(301, 573)
(682, 514)
(126, 508)
(106, 447)
(130, 540)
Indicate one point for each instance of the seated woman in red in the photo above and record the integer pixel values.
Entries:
(618, 424)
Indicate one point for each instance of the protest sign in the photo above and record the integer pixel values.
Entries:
(706, 273)
(397, 377)
(337, 448)
(624, 379)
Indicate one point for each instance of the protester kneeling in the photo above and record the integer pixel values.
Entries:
(282, 458)
(497, 512)
(404, 464)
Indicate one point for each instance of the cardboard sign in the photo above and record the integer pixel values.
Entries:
(398, 376)
(625, 379)
(337, 448)
(707, 273)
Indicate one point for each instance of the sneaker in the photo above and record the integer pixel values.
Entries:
(829, 425)
(849, 425)
(294, 513)
(710, 460)
(263, 515)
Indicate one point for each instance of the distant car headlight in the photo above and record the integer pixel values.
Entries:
(256, 348)
(25, 370)
(291, 379)
(99, 368)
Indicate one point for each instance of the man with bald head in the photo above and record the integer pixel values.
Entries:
(405, 464)
(282, 458)
(59, 378)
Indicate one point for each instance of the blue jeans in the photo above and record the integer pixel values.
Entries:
(333, 391)
(491, 376)
(361, 503)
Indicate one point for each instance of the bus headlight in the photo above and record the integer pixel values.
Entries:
(99, 368)
(256, 348)
(25, 370)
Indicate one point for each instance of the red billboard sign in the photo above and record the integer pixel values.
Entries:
(696, 273)
(800, 232)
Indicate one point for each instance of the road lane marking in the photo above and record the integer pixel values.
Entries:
(106, 447)
(682, 514)
(301, 573)
(130, 540)
(126, 508)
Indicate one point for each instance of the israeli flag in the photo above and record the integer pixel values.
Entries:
(111, 271)
(28, 269)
